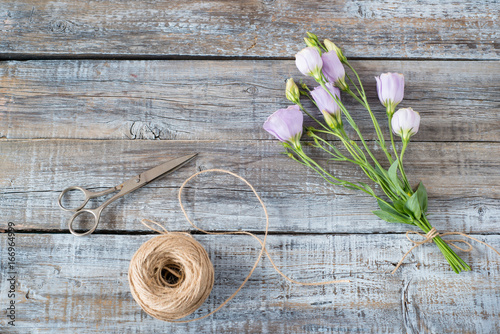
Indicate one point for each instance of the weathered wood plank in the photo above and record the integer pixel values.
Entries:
(224, 99)
(68, 284)
(461, 179)
(263, 28)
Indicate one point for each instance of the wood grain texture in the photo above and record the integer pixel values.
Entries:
(461, 178)
(221, 100)
(261, 28)
(79, 285)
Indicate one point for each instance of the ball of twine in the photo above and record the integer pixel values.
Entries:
(170, 276)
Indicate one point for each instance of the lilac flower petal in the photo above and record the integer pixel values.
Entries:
(405, 122)
(379, 90)
(332, 67)
(285, 124)
(324, 100)
(390, 88)
(307, 60)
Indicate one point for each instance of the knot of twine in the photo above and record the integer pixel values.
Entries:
(429, 236)
(171, 275)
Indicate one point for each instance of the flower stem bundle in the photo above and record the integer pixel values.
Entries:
(326, 63)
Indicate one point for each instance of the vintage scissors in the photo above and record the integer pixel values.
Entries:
(126, 187)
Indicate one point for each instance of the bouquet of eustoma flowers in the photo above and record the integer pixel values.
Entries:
(325, 63)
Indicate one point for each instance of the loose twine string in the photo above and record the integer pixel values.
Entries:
(429, 236)
(170, 276)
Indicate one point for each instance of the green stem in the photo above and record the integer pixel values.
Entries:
(334, 148)
(366, 168)
(354, 145)
(364, 103)
(357, 77)
(457, 264)
(351, 121)
(314, 118)
(344, 183)
(364, 165)
(354, 150)
(354, 85)
(400, 163)
(389, 117)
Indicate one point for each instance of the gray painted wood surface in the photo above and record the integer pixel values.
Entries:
(224, 100)
(128, 85)
(261, 28)
(459, 176)
(80, 285)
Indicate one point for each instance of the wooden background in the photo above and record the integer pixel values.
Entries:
(94, 92)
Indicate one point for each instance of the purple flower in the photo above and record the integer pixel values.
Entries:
(325, 101)
(390, 89)
(330, 46)
(405, 123)
(309, 62)
(327, 105)
(286, 125)
(333, 69)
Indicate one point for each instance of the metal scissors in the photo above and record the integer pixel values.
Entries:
(126, 187)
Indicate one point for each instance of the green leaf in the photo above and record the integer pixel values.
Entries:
(385, 181)
(393, 170)
(391, 218)
(422, 197)
(381, 172)
(399, 205)
(367, 187)
(414, 206)
(393, 176)
(384, 206)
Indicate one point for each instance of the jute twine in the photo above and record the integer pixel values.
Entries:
(171, 275)
(429, 236)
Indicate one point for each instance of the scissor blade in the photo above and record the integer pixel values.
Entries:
(142, 179)
(166, 168)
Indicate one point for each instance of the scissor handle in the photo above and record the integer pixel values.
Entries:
(94, 212)
(87, 193)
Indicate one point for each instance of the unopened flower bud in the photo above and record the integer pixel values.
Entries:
(405, 123)
(309, 62)
(330, 46)
(292, 91)
(390, 89)
(333, 69)
(328, 105)
(313, 37)
(309, 42)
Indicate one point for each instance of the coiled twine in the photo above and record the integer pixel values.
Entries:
(170, 276)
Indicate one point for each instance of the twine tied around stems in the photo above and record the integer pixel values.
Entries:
(429, 236)
(171, 275)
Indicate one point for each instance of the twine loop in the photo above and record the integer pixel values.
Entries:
(430, 235)
(171, 275)
(433, 233)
